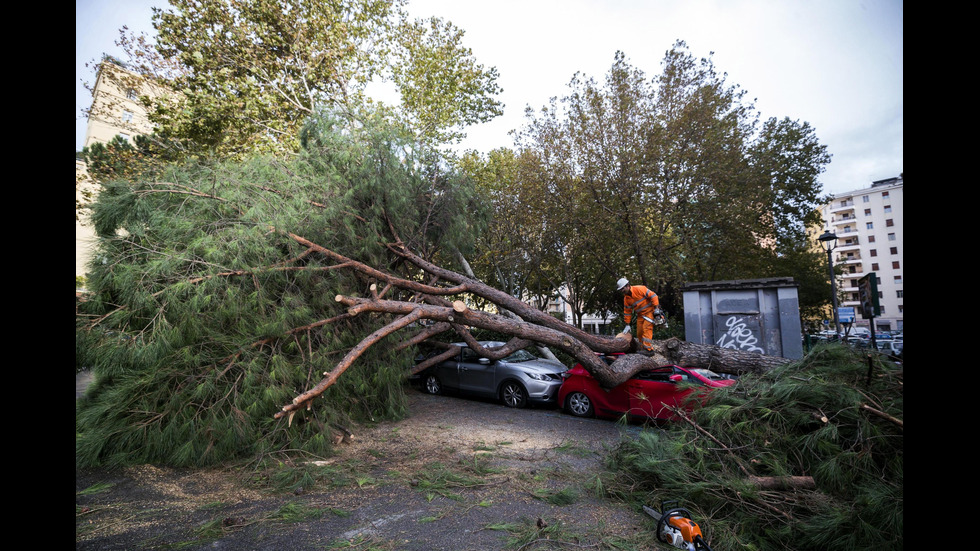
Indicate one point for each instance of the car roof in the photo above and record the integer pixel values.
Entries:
(485, 344)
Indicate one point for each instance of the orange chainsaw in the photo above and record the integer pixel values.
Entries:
(675, 527)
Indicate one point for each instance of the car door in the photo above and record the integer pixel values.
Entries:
(476, 374)
(448, 372)
(651, 391)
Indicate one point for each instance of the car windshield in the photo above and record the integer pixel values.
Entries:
(520, 356)
(708, 374)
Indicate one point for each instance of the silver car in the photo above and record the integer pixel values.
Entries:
(517, 380)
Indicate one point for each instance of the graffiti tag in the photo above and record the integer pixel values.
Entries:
(739, 336)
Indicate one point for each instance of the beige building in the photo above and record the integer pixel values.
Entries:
(869, 224)
(116, 110)
(116, 106)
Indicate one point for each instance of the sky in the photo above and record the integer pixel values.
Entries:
(836, 64)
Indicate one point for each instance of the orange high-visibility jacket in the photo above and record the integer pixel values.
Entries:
(642, 301)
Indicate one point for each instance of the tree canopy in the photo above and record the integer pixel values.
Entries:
(247, 74)
(667, 180)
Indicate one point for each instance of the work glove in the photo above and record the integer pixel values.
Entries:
(628, 330)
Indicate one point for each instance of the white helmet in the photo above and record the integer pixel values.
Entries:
(623, 282)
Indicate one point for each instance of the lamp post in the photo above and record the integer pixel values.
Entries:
(829, 242)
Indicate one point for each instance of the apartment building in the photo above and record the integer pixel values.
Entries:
(869, 224)
(116, 110)
(116, 107)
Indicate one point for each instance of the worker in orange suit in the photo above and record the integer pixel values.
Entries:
(645, 304)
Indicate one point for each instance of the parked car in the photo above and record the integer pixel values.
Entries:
(518, 380)
(891, 347)
(646, 395)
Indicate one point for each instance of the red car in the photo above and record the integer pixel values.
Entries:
(643, 396)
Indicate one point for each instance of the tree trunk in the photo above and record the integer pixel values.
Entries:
(526, 324)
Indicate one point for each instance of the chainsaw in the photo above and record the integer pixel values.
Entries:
(675, 527)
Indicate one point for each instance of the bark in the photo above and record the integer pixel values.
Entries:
(527, 325)
(783, 482)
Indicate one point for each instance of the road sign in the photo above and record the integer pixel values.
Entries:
(845, 314)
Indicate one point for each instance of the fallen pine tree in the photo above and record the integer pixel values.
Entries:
(236, 308)
(807, 456)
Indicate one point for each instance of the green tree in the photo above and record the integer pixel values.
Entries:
(122, 159)
(443, 88)
(671, 178)
(210, 310)
(248, 73)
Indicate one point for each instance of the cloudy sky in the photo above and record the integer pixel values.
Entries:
(836, 64)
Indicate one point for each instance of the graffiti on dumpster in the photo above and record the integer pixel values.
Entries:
(739, 336)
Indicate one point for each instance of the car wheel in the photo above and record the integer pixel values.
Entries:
(432, 385)
(579, 405)
(513, 394)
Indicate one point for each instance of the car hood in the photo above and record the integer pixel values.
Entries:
(541, 365)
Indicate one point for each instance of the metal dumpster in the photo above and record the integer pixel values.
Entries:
(754, 315)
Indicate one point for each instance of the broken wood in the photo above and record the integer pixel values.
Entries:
(429, 309)
(884, 415)
(782, 483)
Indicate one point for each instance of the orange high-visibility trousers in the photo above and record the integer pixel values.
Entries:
(642, 302)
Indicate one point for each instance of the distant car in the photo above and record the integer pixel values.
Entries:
(517, 380)
(891, 347)
(646, 395)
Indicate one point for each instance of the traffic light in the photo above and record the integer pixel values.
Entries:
(868, 295)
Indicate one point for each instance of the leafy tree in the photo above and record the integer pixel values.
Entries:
(249, 73)
(121, 159)
(671, 178)
(442, 87)
(208, 312)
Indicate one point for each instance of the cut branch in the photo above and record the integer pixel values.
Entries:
(303, 400)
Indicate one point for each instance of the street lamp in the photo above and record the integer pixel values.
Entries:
(829, 242)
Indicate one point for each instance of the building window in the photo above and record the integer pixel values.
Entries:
(871, 239)
(895, 265)
(874, 252)
(900, 293)
(891, 237)
(901, 309)
(889, 222)
(888, 208)
(867, 212)
(893, 250)
(870, 226)
(884, 194)
(127, 116)
(851, 270)
(131, 94)
(124, 136)
(865, 199)
(874, 266)
(898, 279)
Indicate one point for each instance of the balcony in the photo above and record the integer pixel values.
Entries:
(842, 206)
